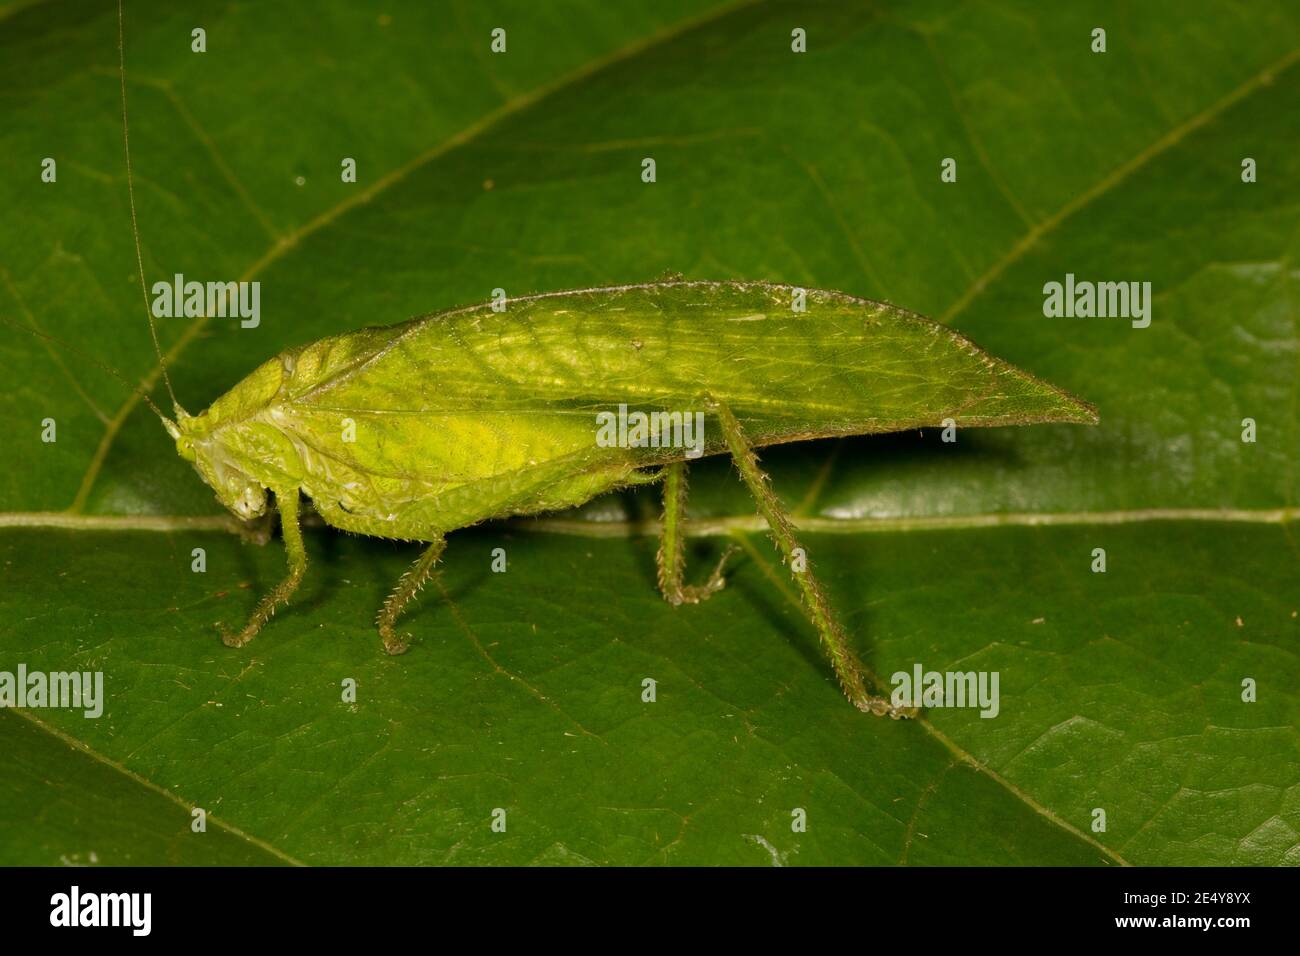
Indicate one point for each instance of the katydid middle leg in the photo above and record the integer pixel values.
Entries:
(672, 545)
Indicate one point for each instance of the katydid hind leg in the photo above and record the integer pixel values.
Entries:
(408, 586)
(671, 557)
(847, 668)
(296, 555)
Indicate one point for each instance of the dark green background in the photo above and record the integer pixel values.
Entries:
(1119, 691)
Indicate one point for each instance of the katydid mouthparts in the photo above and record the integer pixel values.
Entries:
(415, 430)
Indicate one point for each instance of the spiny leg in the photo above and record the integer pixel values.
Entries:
(296, 553)
(672, 545)
(846, 665)
(408, 586)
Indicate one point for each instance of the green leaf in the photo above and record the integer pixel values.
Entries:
(1120, 691)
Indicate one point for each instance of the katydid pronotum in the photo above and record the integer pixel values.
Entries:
(415, 430)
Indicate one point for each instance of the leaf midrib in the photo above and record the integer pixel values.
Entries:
(704, 527)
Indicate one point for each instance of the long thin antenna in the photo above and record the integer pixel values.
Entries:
(101, 364)
(135, 228)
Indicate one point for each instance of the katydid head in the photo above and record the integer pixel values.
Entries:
(217, 466)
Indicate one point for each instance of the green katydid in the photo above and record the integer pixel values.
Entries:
(415, 430)
(412, 431)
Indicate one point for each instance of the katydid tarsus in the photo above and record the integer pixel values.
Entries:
(415, 430)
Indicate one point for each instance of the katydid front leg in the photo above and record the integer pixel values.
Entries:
(672, 546)
(296, 553)
(846, 665)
